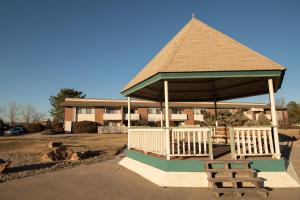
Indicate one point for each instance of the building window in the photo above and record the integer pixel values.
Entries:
(112, 111)
(177, 111)
(199, 111)
(154, 111)
(84, 110)
(81, 110)
(90, 111)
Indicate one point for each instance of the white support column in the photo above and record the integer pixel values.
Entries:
(128, 121)
(274, 118)
(161, 115)
(216, 113)
(74, 119)
(166, 87)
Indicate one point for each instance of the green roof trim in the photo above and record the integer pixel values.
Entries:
(192, 75)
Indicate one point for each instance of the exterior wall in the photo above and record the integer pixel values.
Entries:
(190, 116)
(144, 114)
(68, 113)
(249, 114)
(68, 119)
(268, 115)
(211, 111)
(282, 117)
(99, 115)
(68, 126)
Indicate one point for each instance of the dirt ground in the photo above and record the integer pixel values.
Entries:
(108, 180)
(25, 152)
(78, 142)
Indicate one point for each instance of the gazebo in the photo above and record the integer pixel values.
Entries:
(200, 64)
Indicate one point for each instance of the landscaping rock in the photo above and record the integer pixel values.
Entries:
(87, 154)
(55, 144)
(58, 154)
(3, 165)
(50, 156)
(75, 157)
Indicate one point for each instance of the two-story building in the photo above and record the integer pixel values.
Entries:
(112, 112)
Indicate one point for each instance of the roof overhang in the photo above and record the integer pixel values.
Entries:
(206, 86)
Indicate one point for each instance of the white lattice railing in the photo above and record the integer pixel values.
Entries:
(252, 141)
(191, 142)
(148, 139)
(176, 142)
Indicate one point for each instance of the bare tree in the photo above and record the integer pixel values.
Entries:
(28, 112)
(281, 102)
(38, 116)
(12, 113)
(1, 110)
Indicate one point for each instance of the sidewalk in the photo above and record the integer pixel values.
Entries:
(108, 180)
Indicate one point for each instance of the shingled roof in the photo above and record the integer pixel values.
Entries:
(199, 48)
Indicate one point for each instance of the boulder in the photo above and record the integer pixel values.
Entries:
(87, 154)
(58, 154)
(75, 157)
(55, 144)
(3, 165)
(50, 156)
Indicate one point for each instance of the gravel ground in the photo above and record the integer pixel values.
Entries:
(30, 164)
(25, 152)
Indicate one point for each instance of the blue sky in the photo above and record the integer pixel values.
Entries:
(98, 46)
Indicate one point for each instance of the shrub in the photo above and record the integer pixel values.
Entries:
(263, 120)
(34, 127)
(58, 130)
(86, 127)
(48, 124)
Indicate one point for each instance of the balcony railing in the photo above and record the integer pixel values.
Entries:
(133, 117)
(154, 117)
(112, 116)
(199, 117)
(178, 117)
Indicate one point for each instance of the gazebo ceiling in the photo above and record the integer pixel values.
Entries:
(203, 64)
(206, 88)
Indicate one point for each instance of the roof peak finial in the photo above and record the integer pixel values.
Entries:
(193, 15)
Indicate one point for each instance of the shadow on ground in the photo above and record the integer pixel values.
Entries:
(286, 145)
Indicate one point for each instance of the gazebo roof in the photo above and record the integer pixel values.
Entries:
(203, 64)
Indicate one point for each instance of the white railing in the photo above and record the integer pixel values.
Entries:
(178, 142)
(199, 117)
(155, 117)
(178, 117)
(191, 142)
(151, 140)
(112, 116)
(252, 141)
(133, 117)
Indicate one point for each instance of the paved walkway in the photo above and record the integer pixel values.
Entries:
(108, 180)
